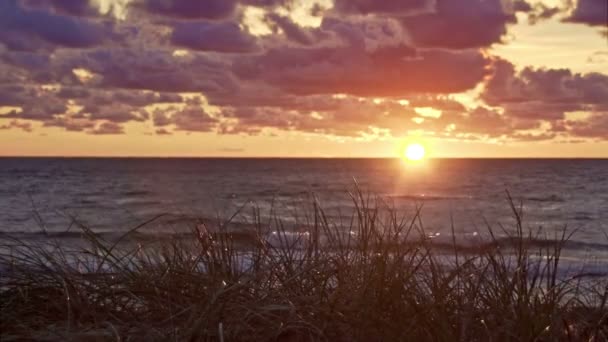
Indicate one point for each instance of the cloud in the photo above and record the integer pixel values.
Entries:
(547, 95)
(162, 131)
(190, 9)
(45, 106)
(225, 37)
(598, 57)
(107, 128)
(71, 124)
(385, 7)
(437, 102)
(193, 119)
(590, 12)
(24, 126)
(24, 28)
(542, 12)
(267, 3)
(546, 87)
(73, 93)
(387, 71)
(77, 108)
(292, 31)
(595, 126)
(70, 7)
(151, 69)
(480, 121)
(459, 24)
(343, 78)
(115, 112)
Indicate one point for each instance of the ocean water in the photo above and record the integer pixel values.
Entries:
(113, 195)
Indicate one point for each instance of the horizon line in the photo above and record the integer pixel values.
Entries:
(278, 157)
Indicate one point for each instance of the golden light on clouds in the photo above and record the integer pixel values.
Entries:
(116, 8)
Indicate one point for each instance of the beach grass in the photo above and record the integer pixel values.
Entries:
(375, 275)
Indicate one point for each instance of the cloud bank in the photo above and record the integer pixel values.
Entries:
(366, 68)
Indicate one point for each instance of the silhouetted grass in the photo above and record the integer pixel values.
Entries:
(373, 276)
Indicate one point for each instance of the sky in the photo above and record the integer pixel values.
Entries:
(303, 78)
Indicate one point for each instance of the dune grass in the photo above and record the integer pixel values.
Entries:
(372, 276)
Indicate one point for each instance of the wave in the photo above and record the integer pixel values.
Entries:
(425, 197)
(135, 193)
(245, 233)
(551, 198)
(582, 217)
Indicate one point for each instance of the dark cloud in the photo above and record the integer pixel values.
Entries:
(436, 102)
(367, 34)
(45, 106)
(537, 12)
(521, 6)
(590, 12)
(24, 28)
(595, 126)
(267, 3)
(90, 105)
(14, 95)
(542, 12)
(162, 131)
(115, 112)
(292, 31)
(547, 95)
(546, 86)
(219, 37)
(480, 121)
(190, 9)
(160, 118)
(193, 119)
(73, 93)
(71, 7)
(254, 120)
(133, 98)
(71, 124)
(157, 70)
(384, 7)
(387, 71)
(459, 24)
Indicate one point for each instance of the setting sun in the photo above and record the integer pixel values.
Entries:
(415, 152)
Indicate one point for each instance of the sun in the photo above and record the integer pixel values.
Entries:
(414, 152)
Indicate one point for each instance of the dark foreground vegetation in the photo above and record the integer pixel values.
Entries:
(375, 276)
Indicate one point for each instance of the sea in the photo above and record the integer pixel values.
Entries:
(45, 198)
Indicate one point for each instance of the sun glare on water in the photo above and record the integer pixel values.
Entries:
(414, 152)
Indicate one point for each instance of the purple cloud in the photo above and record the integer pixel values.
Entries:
(190, 9)
(385, 7)
(24, 28)
(219, 37)
(388, 71)
(71, 7)
(595, 126)
(545, 86)
(459, 24)
(193, 119)
(590, 12)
